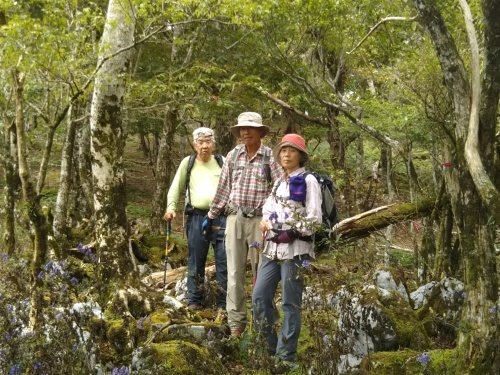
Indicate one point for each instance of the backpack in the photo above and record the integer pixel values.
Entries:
(329, 212)
(192, 158)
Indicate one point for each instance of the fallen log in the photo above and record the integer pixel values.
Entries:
(364, 224)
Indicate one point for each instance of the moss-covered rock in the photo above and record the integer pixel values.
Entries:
(441, 308)
(409, 362)
(178, 357)
(119, 334)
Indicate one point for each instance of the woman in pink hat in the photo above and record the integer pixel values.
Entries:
(290, 217)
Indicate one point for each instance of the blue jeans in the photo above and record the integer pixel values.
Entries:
(270, 273)
(198, 247)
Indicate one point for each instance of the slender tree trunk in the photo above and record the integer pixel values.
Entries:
(386, 154)
(8, 161)
(360, 167)
(225, 139)
(65, 179)
(116, 263)
(85, 168)
(35, 214)
(163, 171)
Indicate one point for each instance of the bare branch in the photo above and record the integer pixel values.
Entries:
(387, 19)
(295, 110)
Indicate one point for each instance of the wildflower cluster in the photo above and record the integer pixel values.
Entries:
(120, 371)
(57, 277)
(424, 359)
(87, 251)
(143, 322)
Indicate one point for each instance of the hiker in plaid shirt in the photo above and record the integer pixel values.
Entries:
(245, 183)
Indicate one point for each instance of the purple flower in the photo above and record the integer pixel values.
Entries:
(74, 281)
(5, 258)
(14, 370)
(37, 365)
(88, 252)
(140, 322)
(306, 263)
(325, 338)
(463, 294)
(48, 265)
(423, 358)
(120, 371)
(41, 274)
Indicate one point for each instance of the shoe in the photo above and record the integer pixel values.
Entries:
(221, 316)
(284, 367)
(194, 306)
(237, 332)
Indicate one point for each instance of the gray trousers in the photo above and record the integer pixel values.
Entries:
(270, 273)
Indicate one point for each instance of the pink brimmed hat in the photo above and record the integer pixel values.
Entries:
(252, 119)
(293, 140)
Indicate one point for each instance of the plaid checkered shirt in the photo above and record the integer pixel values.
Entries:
(244, 184)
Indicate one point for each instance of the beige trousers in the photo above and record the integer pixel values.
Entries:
(241, 233)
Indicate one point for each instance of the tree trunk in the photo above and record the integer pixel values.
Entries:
(359, 197)
(478, 346)
(9, 239)
(163, 172)
(65, 179)
(225, 139)
(35, 214)
(116, 263)
(85, 167)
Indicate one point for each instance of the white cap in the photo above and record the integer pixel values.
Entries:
(203, 133)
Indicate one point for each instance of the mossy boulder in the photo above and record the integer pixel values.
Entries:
(378, 319)
(119, 334)
(178, 357)
(440, 305)
(409, 362)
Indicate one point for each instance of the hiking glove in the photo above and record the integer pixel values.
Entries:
(283, 236)
(206, 226)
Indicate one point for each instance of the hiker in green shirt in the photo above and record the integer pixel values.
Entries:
(200, 184)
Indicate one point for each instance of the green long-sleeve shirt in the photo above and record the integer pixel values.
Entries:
(202, 184)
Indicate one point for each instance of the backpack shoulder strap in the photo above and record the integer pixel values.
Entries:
(266, 161)
(234, 157)
(192, 158)
(219, 159)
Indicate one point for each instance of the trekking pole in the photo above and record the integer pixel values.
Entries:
(167, 243)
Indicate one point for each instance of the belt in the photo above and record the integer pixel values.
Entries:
(243, 211)
(197, 211)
